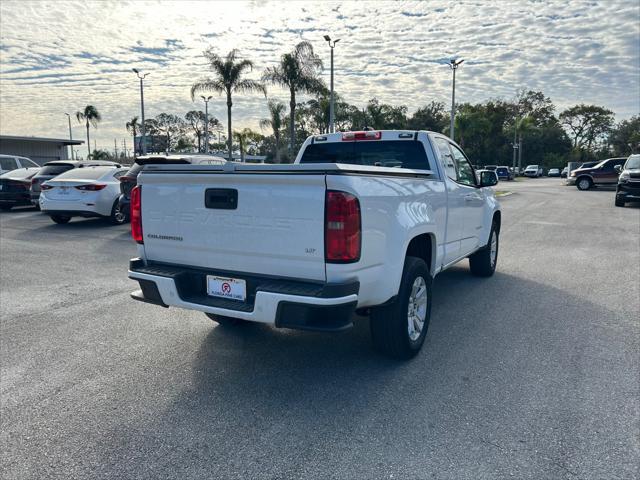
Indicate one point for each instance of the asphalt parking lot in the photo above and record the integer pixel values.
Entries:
(532, 373)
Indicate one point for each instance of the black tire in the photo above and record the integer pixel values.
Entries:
(390, 323)
(118, 217)
(584, 183)
(619, 201)
(60, 219)
(226, 321)
(482, 263)
(6, 208)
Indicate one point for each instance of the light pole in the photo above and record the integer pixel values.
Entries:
(454, 64)
(206, 122)
(331, 114)
(144, 138)
(70, 136)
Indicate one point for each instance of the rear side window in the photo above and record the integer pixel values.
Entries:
(55, 169)
(26, 162)
(8, 163)
(388, 153)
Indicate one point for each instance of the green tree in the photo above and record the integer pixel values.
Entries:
(133, 126)
(100, 155)
(624, 139)
(171, 127)
(587, 124)
(298, 72)
(228, 78)
(91, 116)
(275, 123)
(196, 119)
(432, 116)
(244, 139)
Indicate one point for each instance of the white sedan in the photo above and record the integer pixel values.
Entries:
(84, 192)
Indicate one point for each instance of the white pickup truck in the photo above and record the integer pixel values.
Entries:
(361, 220)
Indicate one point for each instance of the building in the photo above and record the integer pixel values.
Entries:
(38, 149)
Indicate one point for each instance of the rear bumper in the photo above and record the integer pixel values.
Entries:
(72, 213)
(14, 198)
(285, 303)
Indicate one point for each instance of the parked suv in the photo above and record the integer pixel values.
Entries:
(602, 173)
(504, 173)
(629, 181)
(55, 168)
(130, 179)
(13, 162)
(533, 171)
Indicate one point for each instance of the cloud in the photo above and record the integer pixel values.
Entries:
(575, 51)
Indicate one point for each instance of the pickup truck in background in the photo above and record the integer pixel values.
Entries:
(361, 221)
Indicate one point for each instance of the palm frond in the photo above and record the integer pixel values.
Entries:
(207, 85)
(247, 85)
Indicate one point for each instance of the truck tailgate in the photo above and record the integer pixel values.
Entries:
(270, 224)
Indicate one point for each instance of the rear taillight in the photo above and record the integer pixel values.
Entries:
(366, 135)
(45, 186)
(34, 181)
(342, 235)
(136, 214)
(92, 187)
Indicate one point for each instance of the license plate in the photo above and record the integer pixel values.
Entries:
(63, 191)
(231, 288)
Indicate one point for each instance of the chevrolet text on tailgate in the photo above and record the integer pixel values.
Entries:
(361, 220)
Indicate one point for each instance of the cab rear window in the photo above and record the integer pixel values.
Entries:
(55, 169)
(388, 153)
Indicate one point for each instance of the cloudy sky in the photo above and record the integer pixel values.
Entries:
(58, 56)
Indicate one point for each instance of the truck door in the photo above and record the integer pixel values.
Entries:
(473, 215)
(455, 202)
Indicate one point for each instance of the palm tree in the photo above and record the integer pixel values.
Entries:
(91, 116)
(243, 137)
(133, 126)
(275, 121)
(298, 71)
(228, 78)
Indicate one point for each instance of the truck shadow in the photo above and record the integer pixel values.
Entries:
(256, 392)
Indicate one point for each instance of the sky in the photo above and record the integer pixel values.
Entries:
(59, 56)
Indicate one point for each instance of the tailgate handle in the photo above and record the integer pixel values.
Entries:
(221, 198)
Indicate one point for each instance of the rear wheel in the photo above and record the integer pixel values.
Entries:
(118, 215)
(483, 262)
(226, 321)
(60, 219)
(399, 328)
(584, 183)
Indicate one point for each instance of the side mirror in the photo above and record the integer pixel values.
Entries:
(618, 168)
(488, 178)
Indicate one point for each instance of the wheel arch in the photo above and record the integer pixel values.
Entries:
(423, 246)
(497, 220)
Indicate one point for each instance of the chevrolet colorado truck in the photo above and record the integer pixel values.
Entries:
(361, 221)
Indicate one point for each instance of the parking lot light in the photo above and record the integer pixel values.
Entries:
(454, 64)
(143, 139)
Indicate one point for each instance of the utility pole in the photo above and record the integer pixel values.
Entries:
(206, 122)
(144, 138)
(70, 135)
(454, 64)
(331, 101)
(520, 151)
(115, 148)
(515, 145)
